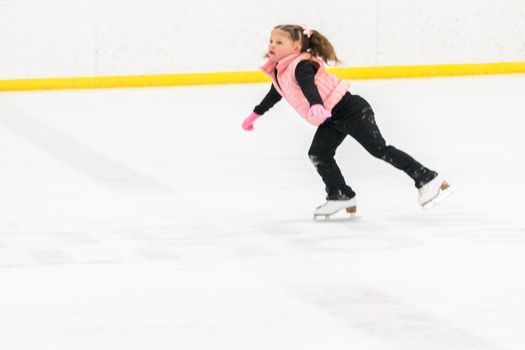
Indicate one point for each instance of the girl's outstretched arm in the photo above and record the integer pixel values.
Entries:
(271, 98)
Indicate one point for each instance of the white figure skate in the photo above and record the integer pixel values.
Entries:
(333, 206)
(434, 192)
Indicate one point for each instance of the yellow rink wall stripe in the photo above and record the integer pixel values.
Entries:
(437, 70)
(184, 79)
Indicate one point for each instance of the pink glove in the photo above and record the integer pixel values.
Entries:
(318, 114)
(247, 124)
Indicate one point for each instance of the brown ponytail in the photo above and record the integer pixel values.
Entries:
(317, 45)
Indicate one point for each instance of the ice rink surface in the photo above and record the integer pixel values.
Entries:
(148, 219)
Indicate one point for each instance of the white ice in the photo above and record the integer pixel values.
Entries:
(147, 219)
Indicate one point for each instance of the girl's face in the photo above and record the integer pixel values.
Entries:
(281, 45)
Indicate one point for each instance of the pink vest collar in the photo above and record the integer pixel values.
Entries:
(269, 67)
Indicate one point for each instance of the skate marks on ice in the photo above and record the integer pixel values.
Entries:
(391, 320)
(335, 289)
(86, 160)
(23, 249)
(337, 235)
(472, 227)
(174, 242)
(26, 249)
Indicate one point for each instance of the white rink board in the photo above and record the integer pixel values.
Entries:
(63, 38)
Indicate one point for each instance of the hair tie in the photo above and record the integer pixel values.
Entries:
(307, 31)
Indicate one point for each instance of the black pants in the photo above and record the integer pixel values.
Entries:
(360, 124)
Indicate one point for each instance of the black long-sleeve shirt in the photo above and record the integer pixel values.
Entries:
(305, 76)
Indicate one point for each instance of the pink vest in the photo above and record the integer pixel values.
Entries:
(331, 88)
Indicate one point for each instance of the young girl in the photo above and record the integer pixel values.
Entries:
(296, 57)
